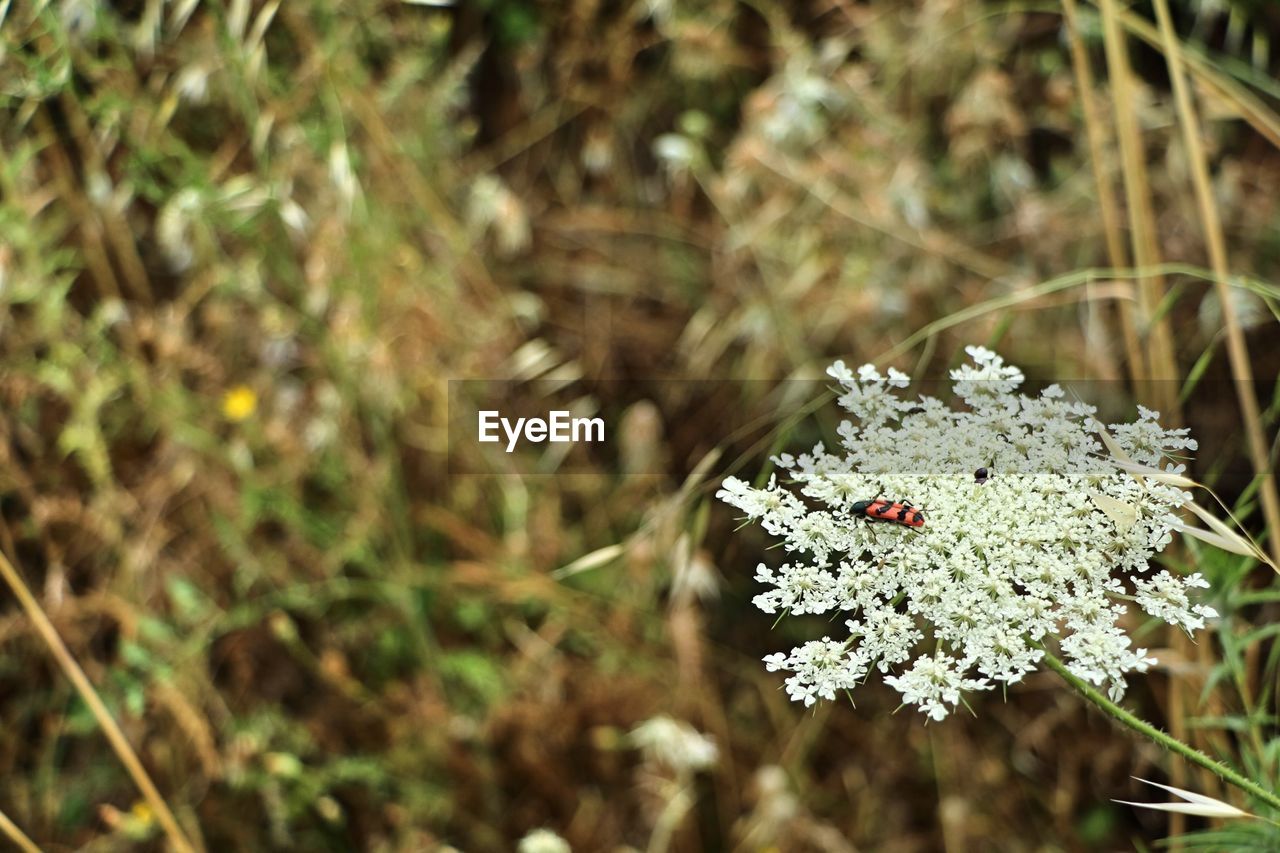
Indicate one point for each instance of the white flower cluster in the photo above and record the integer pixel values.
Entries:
(1043, 545)
(675, 744)
(543, 841)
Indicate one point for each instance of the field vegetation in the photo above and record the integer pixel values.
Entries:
(256, 597)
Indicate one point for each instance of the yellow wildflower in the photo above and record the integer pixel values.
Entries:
(141, 812)
(239, 403)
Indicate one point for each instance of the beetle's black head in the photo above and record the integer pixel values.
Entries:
(981, 474)
(860, 508)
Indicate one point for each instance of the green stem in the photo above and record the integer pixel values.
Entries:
(1172, 744)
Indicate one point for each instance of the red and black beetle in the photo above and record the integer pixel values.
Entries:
(883, 510)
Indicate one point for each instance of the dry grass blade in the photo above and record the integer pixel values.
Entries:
(1166, 477)
(1161, 363)
(1108, 205)
(1146, 254)
(90, 696)
(1222, 811)
(1256, 113)
(700, 471)
(11, 831)
(1215, 240)
(594, 560)
(1230, 544)
(1221, 528)
(1196, 804)
(1117, 452)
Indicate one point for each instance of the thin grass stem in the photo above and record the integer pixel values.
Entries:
(10, 830)
(96, 706)
(1215, 241)
(1142, 727)
(1161, 363)
(1108, 204)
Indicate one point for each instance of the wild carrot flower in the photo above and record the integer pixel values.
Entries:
(1054, 542)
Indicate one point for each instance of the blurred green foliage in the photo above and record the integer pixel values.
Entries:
(315, 635)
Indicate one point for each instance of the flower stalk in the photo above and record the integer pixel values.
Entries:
(1142, 727)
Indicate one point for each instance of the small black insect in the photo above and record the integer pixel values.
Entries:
(981, 476)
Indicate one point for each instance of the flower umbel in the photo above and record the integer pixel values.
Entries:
(1054, 541)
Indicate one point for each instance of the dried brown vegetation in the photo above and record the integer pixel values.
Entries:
(315, 637)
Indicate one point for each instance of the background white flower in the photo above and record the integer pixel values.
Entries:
(543, 841)
(675, 744)
(1054, 542)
